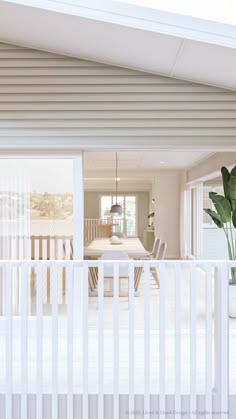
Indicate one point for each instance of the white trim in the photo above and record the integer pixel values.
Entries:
(78, 207)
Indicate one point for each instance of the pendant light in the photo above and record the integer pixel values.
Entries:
(116, 209)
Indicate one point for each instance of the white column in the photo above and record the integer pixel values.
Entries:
(188, 221)
(78, 239)
(78, 207)
(199, 219)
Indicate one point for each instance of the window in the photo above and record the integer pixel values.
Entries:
(125, 223)
(207, 202)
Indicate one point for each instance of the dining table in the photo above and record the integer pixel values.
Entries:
(132, 246)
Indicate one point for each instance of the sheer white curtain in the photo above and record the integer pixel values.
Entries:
(14, 222)
(14, 213)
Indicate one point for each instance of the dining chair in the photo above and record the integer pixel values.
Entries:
(108, 272)
(160, 254)
(156, 249)
(153, 247)
(104, 230)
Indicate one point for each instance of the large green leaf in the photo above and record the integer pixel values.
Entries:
(232, 191)
(233, 171)
(225, 177)
(234, 218)
(222, 206)
(215, 217)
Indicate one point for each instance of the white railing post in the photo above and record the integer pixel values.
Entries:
(24, 338)
(131, 339)
(208, 341)
(39, 334)
(221, 339)
(70, 346)
(177, 341)
(85, 342)
(147, 340)
(193, 351)
(100, 341)
(8, 337)
(116, 342)
(162, 343)
(54, 336)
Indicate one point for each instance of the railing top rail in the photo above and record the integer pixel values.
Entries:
(136, 263)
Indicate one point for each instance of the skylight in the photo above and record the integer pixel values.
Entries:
(223, 11)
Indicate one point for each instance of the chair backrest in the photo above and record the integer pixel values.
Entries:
(104, 230)
(154, 245)
(162, 251)
(157, 249)
(108, 267)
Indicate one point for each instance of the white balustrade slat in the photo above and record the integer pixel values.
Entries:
(39, 338)
(177, 341)
(116, 342)
(100, 342)
(24, 339)
(208, 341)
(221, 336)
(54, 337)
(85, 341)
(8, 308)
(70, 346)
(131, 338)
(224, 328)
(162, 341)
(147, 340)
(193, 341)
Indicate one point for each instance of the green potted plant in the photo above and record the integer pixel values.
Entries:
(224, 217)
(150, 218)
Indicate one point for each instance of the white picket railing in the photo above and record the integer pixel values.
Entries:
(107, 357)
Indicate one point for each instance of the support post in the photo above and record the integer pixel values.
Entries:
(78, 239)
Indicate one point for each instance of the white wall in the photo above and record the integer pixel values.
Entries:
(166, 190)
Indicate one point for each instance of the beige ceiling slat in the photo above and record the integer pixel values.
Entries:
(120, 131)
(46, 97)
(148, 124)
(118, 97)
(115, 106)
(106, 88)
(146, 115)
(66, 71)
(89, 80)
(47, 62)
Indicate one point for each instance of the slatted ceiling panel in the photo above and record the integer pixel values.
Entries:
(48, 95)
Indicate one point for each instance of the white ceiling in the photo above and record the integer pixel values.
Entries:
(125, 35)
(101, 161)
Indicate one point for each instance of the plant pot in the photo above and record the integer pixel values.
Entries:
(232, 300)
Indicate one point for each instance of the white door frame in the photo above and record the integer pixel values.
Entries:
(194, 220)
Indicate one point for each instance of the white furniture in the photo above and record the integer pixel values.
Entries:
(133, 247)
(109, 272)
(148, 239)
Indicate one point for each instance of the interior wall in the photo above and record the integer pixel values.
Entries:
(166, 190)
(91, 207)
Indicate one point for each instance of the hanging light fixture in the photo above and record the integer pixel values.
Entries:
(116, 208)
